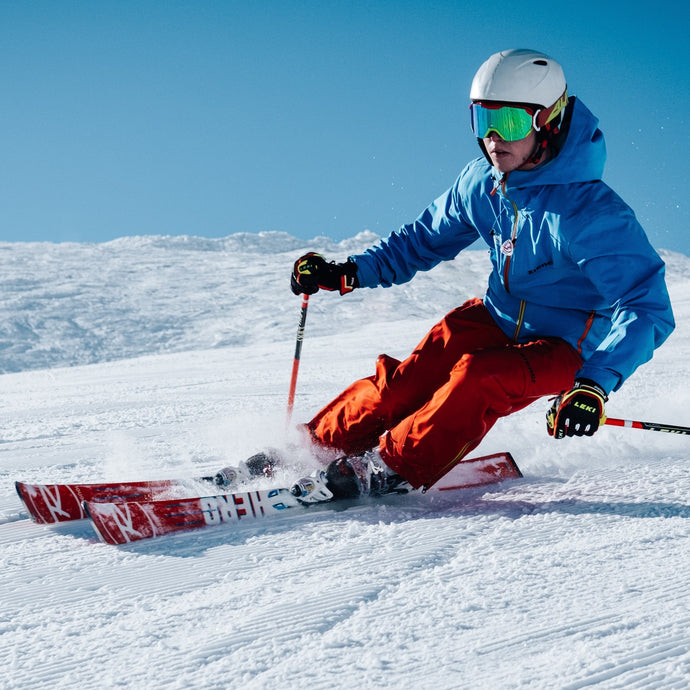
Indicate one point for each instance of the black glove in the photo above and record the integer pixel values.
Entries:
(312, 272)
(577, 412)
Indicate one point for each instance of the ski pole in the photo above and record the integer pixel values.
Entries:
(648, 426)
(298, 354)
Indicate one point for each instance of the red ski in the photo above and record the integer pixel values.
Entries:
(480, 471)
(124, 522)
(121, 523)
(49, 503)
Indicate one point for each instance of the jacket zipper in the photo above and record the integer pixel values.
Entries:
(513, 238)
(506, 265)
(520, 319)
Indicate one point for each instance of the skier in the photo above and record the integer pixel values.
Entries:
(576, 299)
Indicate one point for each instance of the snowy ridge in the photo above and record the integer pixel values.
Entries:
(71, 304)
(179, 354)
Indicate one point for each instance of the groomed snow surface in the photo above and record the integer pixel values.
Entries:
(155, 357)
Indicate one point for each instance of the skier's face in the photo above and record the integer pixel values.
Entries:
(510, 155)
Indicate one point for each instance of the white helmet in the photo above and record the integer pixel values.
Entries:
(519, 76)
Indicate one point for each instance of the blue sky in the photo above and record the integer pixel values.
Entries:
(197, 117)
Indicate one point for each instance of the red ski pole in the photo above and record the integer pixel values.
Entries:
(298, 354)
(648, 426)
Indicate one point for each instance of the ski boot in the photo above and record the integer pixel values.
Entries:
(364, 475)
(259, 465)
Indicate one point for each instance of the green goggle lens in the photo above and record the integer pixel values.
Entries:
(511, 123)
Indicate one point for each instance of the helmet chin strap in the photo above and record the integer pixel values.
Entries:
(538, 153)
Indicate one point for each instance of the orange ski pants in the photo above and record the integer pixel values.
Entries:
(428, 411)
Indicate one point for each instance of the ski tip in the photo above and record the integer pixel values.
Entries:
(19, 487)
(480, 471)
(511, 460)
(93, 519)
(23, 490)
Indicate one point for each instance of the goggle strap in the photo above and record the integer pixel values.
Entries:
(543, 117)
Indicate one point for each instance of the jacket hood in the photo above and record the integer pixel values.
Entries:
(581, 158)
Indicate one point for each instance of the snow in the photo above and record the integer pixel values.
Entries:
(152, 357)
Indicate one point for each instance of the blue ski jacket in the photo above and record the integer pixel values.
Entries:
(569, 258)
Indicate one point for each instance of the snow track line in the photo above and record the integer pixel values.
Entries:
(326, 610)
(670, 648)
(316, 616)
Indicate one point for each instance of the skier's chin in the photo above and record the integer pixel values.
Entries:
(504, 162)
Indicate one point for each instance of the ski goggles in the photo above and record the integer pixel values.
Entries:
(510, 122)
